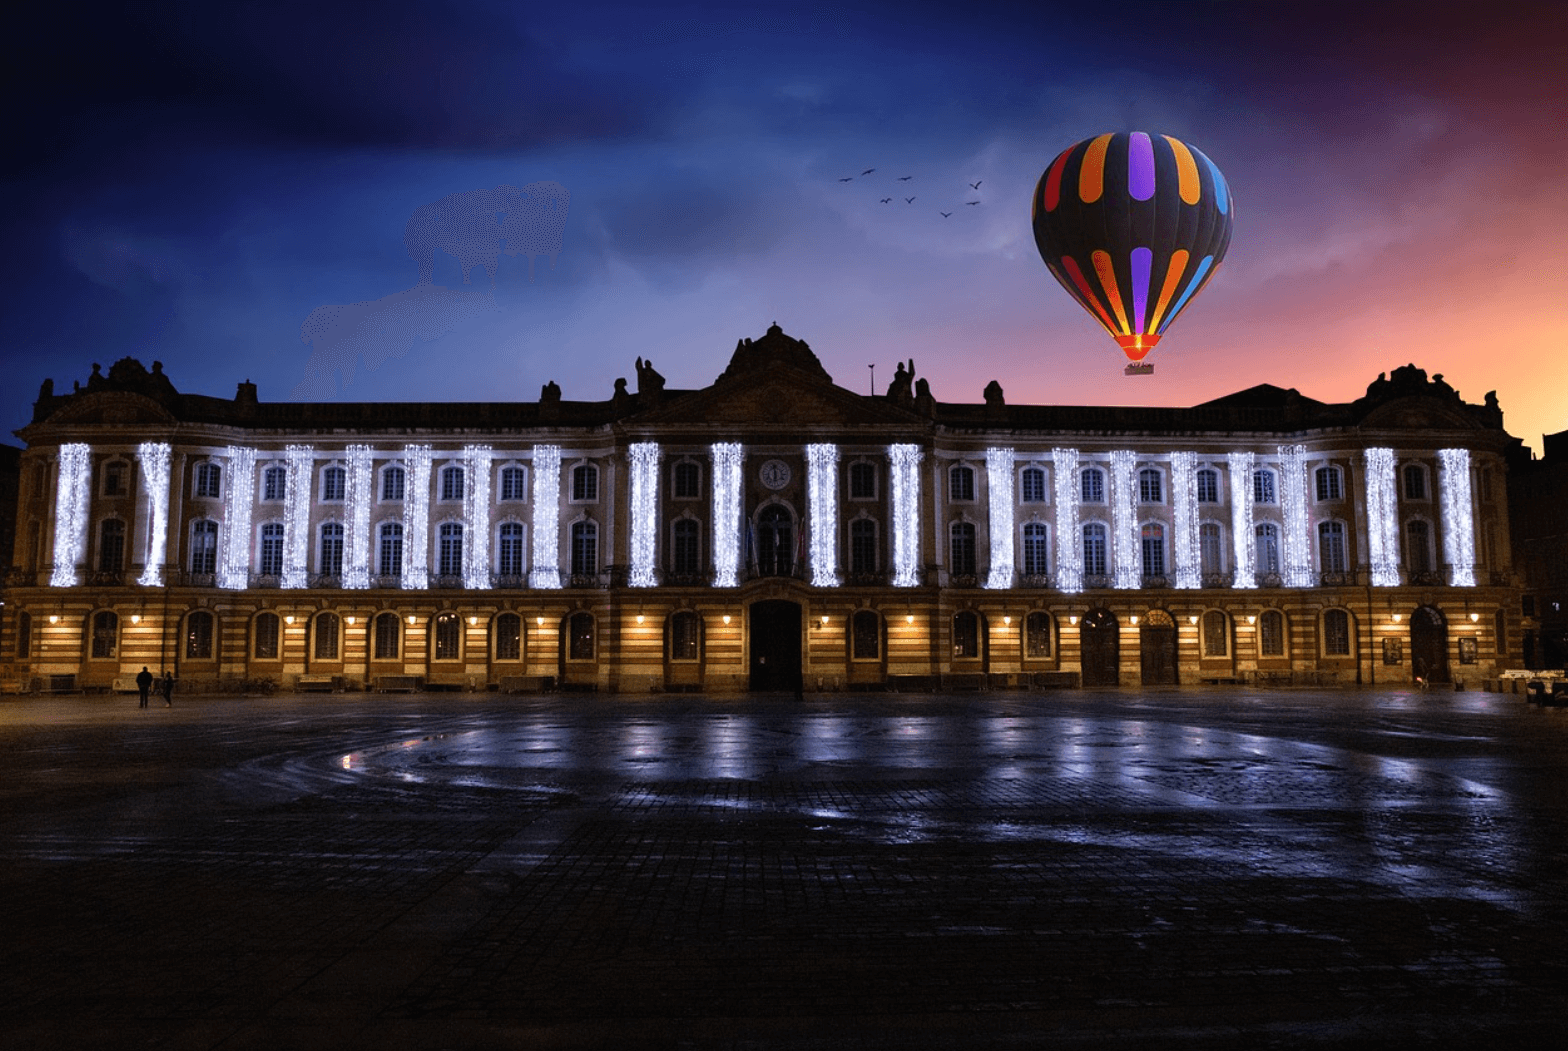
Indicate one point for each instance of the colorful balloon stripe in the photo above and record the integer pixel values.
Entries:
(1142, 261)
(1192, 286)
(1186, 171)
(1221, 191)
(1140, 167)
(1091, 177)
(1172, 279)
(1086, 294)
(1113, 295)
(1053, 180)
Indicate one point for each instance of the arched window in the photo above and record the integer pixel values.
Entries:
(1266, 551)
(585, 483)
(585, 549)
(962, 537)
(271, 561)
(447, 632)
(264, 636)
(966, 635)
(1336, 633)
(198, 635)
(1331, 546)
(111, 545)
(1415, 482)
(1263, 489)
(1208, 483)
(274, 483)
(1328, 487)
(579, 634)
(1149, 489)
(514, 484)
(389, 634)
(961, 482)
(508, 637)
(1153, 540)
(451, 483)
(1094, 549)
(1093, 485)
(685, 636)
(862, 481)
(1211, 553)
(1032, 485)
(209, 480)
(326, 640)
(1418, 546)
(24, 634)
(391, 549)
(865, 630)
(686, 480)
(450, 562)
(862, 546)
(392, 481)
(1037, 635)
(1216, 634)
(334, 483)
(1035, 550)
(775, 542)
(1271, 634)
(331, 561)
(105, 634)
(512, 558)
(204, 547)
(684, 557)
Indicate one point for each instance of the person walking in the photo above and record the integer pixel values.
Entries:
(144, 685)
(168, 689)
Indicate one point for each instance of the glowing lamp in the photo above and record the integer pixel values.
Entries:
(639, 618)
(1252, 618)
(136, 618)
(726, 618)
(1006, 621)
(1134, 621)
(472, 621)
(824, 620)
(909, 618)
(1073, 621)
(411, 620)
(289, 619)
(54, 618)
(350, 621)
(1396, 618)
(541, 621)
(1474, 617)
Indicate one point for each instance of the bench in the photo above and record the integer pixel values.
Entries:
(397, 683)
(320, 683)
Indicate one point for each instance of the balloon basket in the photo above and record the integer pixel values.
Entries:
(1139, 368)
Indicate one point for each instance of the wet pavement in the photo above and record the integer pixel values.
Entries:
(1183, 868)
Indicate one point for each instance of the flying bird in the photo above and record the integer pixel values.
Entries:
(847, 178)
(887, 200)
(975, 185)
(971, 202)
(868, 171)
(946, 214)
(909, 200)
(905, 178)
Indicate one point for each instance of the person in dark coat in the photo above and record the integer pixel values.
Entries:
(144, 685)
(168, 689)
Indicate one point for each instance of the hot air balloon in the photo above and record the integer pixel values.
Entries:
(1133, 225)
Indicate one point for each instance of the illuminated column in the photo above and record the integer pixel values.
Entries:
(234, 565)
(905, 477)
(1382, 519)
(645, 458)
(356, 512)
(1128, 569)
(727, 460)
(70, 514)
(1458, 516)
(1069, 548)
(1241, 526)
(416, 518)
(154, 458)
(1184, 512)
(476, 517)
(546, 571)
(999, 482)
(822, 498)
(1293, 501)
(296, 518)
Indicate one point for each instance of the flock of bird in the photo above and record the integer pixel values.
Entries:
(910, 200)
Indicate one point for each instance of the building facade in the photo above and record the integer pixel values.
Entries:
(767, 531)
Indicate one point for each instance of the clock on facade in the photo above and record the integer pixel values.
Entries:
(775, 474)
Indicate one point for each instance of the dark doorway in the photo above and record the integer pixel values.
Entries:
(775, 646)
(1429, 644)
(1101, 649)
(775, 544)
(1157, 646)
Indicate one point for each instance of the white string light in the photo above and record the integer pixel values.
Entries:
(1241, 527)
(356, 562)
(154, 458)
(1128, 570)
(822, 497)
(905, 476)
(476, 516)
(296, 517)
(416, 518)
(1069, 549)
(1382, 519)
(999, 483)
(727, 460)
(645, 458)
(235, 564)
(1293, 500)
(1458, 516)
(546, 571)
(70, 514)
(1184, 512)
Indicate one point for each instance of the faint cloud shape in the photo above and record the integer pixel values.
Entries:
(116, 259)
(472, 227)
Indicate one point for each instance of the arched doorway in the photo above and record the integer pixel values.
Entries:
(1157, 648)
(774, 639)
(1429, 644)
(1101, 649)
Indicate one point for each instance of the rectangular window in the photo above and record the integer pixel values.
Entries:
(1331, 546)
(862, 481)
(1034, 550)
(208, 480)
(1216, 634)
(1149, 491)
(585, 549)
(391, 549)
(684, 557)
(452, 483)
(511, 560)
(1037, 635)
(274, 483)
(862, 546)
(1094, 486)
(388, 632)
(272, 550)
(1336, 633)
(1415, 483)
(1153, 551)
(267, 637)
(1208, 487)
(204, 547)
(331, 563)
(685, 635)
(688, 481)
(392, 483)
(326, 637)
(1211, 557)
(867, 635)
(1271, 634)
(1094, 550)
(333, 482)
(114, 480)
(1263, 487)
(451, 557)
(585, 483)
(508, 637)
(963, 549)
(961, 483)
(513, 484)
(1033, 485)
(1328, 483)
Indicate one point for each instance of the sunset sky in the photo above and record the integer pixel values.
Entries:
(189, 183)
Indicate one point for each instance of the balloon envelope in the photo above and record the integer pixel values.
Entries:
(1133, 225)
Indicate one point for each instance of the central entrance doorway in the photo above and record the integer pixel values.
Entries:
(774, 637)
(1157, 643)
(1429, 644)
(1101, 649)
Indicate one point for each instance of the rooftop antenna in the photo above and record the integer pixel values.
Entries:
(873, 369)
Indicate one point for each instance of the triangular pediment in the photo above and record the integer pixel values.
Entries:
(783, 398)
(112, 408)
(1418, 413)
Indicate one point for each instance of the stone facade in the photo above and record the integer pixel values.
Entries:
(769, 531)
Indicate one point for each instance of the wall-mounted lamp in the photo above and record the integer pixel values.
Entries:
(290, 619)
(909, 618)
(1073, 620)
(1396, 617)
(472, 621)
(541, 621)
(726, 618)
(136, 618)
(824, 620)
(350, 620)
(411, 620)
(639, 618)
(1006, 620)
(1474, 617)
(54, 618)
(1193, 620)
(1134, 621)
(1252, 618)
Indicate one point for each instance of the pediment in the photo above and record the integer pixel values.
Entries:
(112, 409)
(1418, 413)
(787, 398)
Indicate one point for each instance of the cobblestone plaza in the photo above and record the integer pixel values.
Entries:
(1188, 868)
